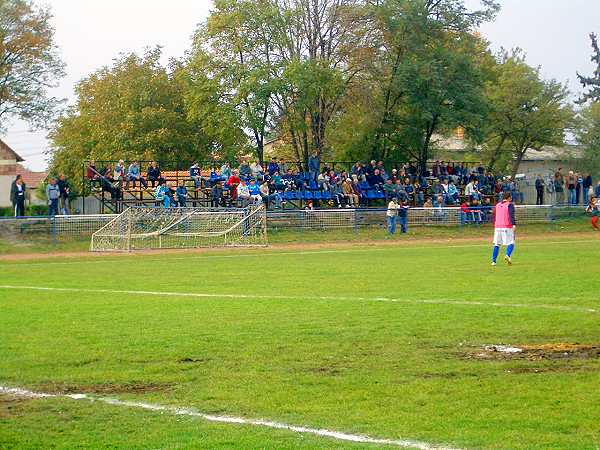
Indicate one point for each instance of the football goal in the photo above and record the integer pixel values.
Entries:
(142, 228)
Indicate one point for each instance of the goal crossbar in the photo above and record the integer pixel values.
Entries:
(149, 228)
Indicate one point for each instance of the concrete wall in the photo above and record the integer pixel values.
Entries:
(5, 182)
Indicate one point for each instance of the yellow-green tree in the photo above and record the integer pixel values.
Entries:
(29, 63)
(133, 110)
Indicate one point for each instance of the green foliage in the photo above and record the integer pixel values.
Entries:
(132, 110)
(29, 63)
(526, 112)
(230, 62)
(592, 83)
(424, 77)
(588, 135)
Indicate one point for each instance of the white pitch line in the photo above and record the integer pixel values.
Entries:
(337, 435)
(167, 257)
(311, 297)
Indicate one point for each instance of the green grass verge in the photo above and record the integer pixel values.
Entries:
(38, 244)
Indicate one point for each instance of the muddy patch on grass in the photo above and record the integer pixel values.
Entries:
(105, 388)
(11, 406)
(193, 360)
(536, 352)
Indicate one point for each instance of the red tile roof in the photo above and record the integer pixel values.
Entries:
(31, 179)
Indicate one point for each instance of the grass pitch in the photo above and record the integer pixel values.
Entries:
(383, 341)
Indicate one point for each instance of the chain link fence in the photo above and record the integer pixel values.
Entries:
(69, 227)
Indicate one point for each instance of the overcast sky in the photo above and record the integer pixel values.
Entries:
(90, 33)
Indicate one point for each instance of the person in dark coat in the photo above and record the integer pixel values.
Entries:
(17, 196)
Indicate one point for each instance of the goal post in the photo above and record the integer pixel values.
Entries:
(143, 228)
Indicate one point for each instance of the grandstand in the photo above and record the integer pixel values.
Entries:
(297, 187)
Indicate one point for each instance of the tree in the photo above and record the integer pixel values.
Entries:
(592, 82)
(424, 75)
(132, 110)
(232, 54)
(29, 63)
(526, 112)
(588, 135)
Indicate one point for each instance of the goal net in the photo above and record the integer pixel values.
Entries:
(142, 228)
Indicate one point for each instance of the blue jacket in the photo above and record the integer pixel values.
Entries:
(182, 192)
(254, 190)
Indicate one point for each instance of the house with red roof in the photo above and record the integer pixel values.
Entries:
(10, 168)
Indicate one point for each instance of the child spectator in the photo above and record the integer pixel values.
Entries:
(52, 194)
(162, 194)
(216, 194)
(254, 190)
(182, 194)
(243, 193)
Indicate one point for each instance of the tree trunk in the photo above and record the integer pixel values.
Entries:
(495, 154)
(517, 162)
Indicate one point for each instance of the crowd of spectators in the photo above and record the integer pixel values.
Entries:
(442, 184)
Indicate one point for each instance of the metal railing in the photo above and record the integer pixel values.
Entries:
(68, 227)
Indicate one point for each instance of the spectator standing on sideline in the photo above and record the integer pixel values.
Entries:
(587, 186)
(392, 215)
(182, 194)
(571, 182)
(52, 194)
(65, 190)
(559, 188)
(17, 196)
(540, 185)
(403, 216)
(578, 187)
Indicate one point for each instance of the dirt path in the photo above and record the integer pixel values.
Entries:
(424, 241)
